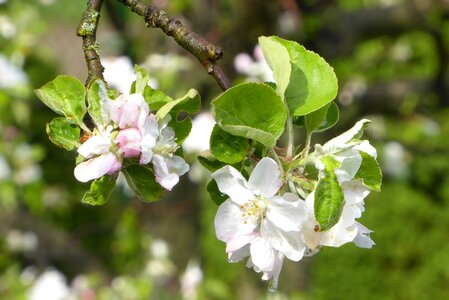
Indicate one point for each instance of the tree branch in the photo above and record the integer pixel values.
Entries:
(88, 31)
(207, 53)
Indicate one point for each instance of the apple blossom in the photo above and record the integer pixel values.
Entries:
(167, 166)
(100, 159)
(255, 221)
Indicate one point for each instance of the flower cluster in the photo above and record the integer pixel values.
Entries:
(129, 130)
(264, 221)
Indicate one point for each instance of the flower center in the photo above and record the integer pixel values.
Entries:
(165, 149)
(254, 210)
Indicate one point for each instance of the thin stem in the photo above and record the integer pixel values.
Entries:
(290, 136)
(88, 31)
(206, 53)
(278, 160)
(307, 146)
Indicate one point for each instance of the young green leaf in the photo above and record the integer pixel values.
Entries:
(63, 134)
(142, 79)
(190, 103)
(100, 190)
(329, 197)
(97, 100)
(322, 119)
(226, 147)
(155, 98)
(141, 180)
(211, 163)
(278, 59)
(181, 128)
(312, 82)
(369, 172)
(65, 96)
(215, 193)
(251, 110)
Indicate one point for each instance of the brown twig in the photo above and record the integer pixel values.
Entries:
(88, 31)
(207, 53)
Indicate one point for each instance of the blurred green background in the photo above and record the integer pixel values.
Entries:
(391, 58)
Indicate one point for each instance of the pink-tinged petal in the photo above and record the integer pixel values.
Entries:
(239, 254)
(95, 167)
(129, 141)
(229, 222)
(168, 170)
(288, 243)
(262, 255)
(94, 146)
(242, 63)
(129, 111)
(287, 215)
(233, 184)
(265, 179)
(237, 242)
(151, 126)
(116, 166)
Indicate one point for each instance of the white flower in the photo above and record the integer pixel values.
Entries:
(198, 139)
(344, 149)
(167, 166)
(100, 159)
(51, 285)
(254, 68)
(256, 222)
(10, 75)
(347, 228)
(119, 73)
(190, 280)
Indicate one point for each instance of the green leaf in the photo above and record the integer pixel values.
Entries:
(215, 193)
(226, 147)
(142, 78)
(97, 99)
(332, 116)
(329, 197)
(322, 119)
(181, 128)
(63, 134)
(210, 163)
(312, 82)
(278, 59)
(190, 104)
(369, 172)
(142, 181)
(65, 96)
(251, 110)
(100, 190)
(155, 98)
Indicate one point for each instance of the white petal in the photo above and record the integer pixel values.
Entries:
(339, 141)
(229, 223)
(95, 145)
(233, 184)
(265, 179)
(95, 167)
(366, 147)
(287, 215)
(288, 243)
(239, 254)
(151, 126)
(363, 239)
(262, 255)
(274, 274)
(350, 163)
(354, 192)
(177, 165)
(237, 242)
(163, 175)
